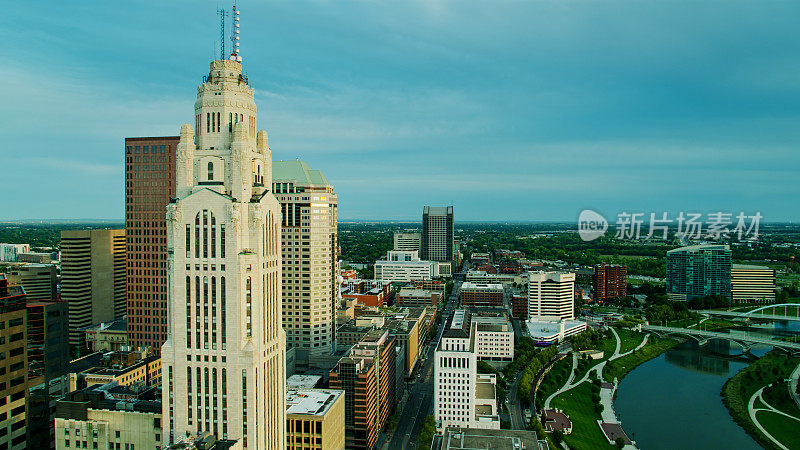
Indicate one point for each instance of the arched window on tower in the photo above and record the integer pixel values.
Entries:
(210, 171)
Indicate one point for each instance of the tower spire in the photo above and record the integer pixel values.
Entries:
(222, 14)
(235, 36)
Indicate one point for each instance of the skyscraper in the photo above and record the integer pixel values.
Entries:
(149, 185)
(225, 355)
(551, 295)
(437, 233)
(698, 271)
(92, 278)
(310, 268)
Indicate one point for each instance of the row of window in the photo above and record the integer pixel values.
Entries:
(136, 149)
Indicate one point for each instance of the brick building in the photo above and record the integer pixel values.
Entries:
(149, 185)
(610, 281)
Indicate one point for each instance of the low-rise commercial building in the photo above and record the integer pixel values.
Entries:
(418, 297)
(481, 295)
(123, 367)
(110, 416)
(406, 266)
(108, 336)
(472, 438)
(315, 419)
(494, 338)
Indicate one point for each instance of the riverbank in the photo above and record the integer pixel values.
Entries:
(588, 402)
(618, 368)
(758, 400)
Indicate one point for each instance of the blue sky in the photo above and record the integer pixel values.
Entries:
(511, 110)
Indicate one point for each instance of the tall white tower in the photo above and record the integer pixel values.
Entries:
(225, 356)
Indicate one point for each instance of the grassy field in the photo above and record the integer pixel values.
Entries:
(736, 393)
(629, 339)
(554, 379)
(780, 427)
(608, 346)
(620, 367)
(577, 404)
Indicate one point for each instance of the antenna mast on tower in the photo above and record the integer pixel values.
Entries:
(235, 36)
(222, 14)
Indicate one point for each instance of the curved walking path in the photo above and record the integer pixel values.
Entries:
(793, 380)
(752, 410)
(598, 368)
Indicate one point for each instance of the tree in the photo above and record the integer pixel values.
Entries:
(619, 442)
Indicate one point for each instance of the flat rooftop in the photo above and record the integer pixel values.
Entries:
(472, 439)
(470, 285)
(315, 402)
(547, 328)
(303, 381)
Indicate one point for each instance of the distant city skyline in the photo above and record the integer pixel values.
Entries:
(509, 111)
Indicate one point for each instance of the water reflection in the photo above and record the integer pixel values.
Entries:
(707, 358)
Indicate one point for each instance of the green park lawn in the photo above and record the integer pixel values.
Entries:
(629, 339)
(736, 393)
(577, 404)
(620, 367)
(780, 427)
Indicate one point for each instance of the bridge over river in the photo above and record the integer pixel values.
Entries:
(745, 340)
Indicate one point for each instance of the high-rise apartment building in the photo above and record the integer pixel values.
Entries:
(610, 281)
(752, 284)
(699, 271)
(48, 363)
(310, 268)
(551, 295)
(38, 280)
(380, 346)
(13, 367)
(92, 278)
(437, 234)
(410, 242)
(224, 361)
(149, 186)
(357, 377)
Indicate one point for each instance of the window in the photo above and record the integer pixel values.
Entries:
(210, 171)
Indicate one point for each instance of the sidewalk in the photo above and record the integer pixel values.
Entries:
(793, 380)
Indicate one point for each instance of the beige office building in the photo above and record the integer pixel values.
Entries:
(109, 416)
(310, 268)
(224, 361)
(752, 284)
(410, 242)
(314, 419)
(551, 295)
(38, 280)
(92, 278)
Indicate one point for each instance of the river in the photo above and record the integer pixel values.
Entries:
(673, 400)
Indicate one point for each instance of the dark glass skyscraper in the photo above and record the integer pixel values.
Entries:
(698, 271)
(437, 233)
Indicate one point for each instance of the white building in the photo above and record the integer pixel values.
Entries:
(405, 266)
(462, 398)
(494, 338)
(310, 268)
(551, 295)
(407, 241)
(224, 360)
(551, 332)
(8, 252)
